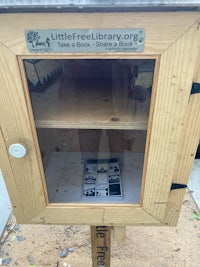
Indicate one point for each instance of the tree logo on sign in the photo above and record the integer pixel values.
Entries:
(34, 39)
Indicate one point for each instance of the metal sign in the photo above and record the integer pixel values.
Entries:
(85, 40)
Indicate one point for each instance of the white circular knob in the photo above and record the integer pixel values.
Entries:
(17, 151)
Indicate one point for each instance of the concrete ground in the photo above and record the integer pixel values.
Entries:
(143, 247)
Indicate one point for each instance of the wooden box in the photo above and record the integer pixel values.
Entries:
(99, 138)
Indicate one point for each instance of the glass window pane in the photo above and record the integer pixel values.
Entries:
(91, 117)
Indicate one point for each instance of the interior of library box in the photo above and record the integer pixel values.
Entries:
(91, 118)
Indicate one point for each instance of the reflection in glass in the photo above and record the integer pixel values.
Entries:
(91, 117)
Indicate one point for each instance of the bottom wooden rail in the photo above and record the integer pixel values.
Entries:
(101, 245)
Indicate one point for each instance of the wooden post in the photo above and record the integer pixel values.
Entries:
(101, 244)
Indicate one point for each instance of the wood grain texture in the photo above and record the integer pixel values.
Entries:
(16, 128)
(177, 68)
(172, 36)
(90, 214)
(76, 102)
(161, 29)
(33, 128)
(149, 128)
(10, 183)
(185, 158)
(101, 245)
(197, 71)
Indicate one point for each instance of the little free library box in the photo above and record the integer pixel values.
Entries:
(99, 120)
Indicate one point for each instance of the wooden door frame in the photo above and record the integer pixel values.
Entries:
(171, 37)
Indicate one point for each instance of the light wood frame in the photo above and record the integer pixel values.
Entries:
(171, 38)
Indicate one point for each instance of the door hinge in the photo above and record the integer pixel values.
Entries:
(195, 88)
(178, 186)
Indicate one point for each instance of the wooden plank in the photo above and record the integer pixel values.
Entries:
(161, 29)
(149, 129)
(173, 91)
(16, 128)
(186, 152)
(101, 245)
(91, 214)
(10, 181)
(72, 103)
(185, 158)
(176, 75)
(91, 125)
(189, 141)
(197, 72)
(32, 125)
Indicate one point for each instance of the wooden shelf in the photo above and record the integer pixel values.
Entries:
(89, 104)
